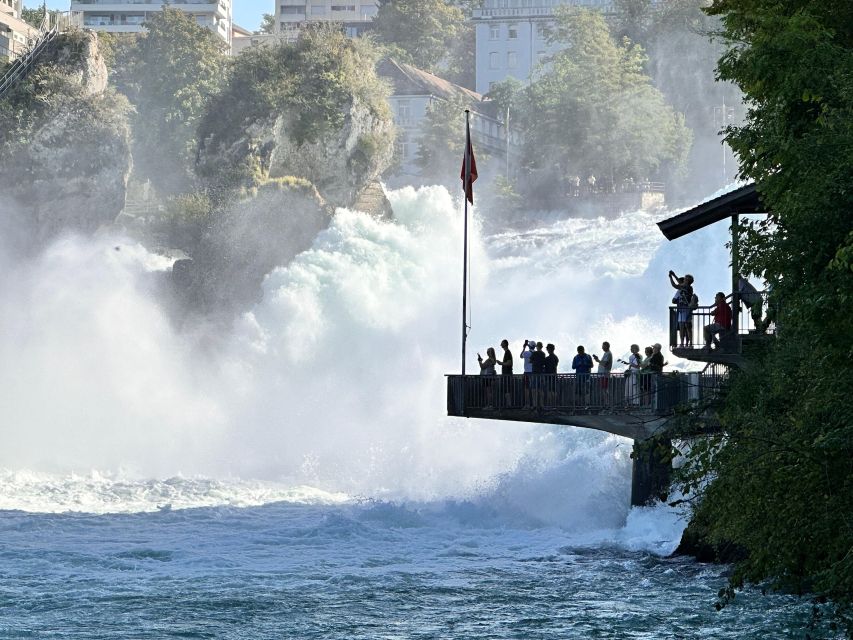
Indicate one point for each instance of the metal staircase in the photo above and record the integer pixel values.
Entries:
(24, 64)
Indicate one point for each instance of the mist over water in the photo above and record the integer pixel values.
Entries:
(332, 388)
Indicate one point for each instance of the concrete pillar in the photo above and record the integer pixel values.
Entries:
(650, 476)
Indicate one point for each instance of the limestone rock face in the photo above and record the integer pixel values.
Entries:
(256, 234)
(64, 145)
(340, 164)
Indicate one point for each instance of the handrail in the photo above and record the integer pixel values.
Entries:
(582, 394)
(23, 65)
(758, 319)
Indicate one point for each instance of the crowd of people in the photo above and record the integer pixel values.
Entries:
(640, 379)
(540, 386)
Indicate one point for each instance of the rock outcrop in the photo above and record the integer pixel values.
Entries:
(244, 243)
(64, 145)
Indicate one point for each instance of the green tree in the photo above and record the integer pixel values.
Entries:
(782, 475)
(267, 23)
(596, 113)
(441, 144)
(311, 85)
(169, 74)
(424, 33)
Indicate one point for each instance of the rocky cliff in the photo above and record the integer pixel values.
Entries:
(64, 145)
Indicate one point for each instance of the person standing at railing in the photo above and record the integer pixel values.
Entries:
(487, 368)
(526, 355)
(722, 321)
(632, 390)
(551, 363)
(582, 364)
(506, 373)
(537, 359)
(605, 364)
(656, 365)
(683, 294)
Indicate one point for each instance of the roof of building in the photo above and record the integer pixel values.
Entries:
(744, 199)
(411, 81)
(237, 30)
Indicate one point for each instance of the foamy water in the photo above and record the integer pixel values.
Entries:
(297, 475)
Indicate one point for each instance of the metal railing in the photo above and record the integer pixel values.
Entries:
(756, 317)
(579, 394)
(24, 64)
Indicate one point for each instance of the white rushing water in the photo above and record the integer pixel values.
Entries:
(331, 390)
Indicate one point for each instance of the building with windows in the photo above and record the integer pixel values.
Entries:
(413, 90)
(128, 16)
(354, 15)
(15, 34)
(512, 37)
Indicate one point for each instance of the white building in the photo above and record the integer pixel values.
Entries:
(128, 16)
(413, 91)
(293, 15)
(15, 34)
(512, 37)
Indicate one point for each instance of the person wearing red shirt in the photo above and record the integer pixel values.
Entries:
(722, 320)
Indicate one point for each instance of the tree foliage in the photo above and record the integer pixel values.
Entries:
(595, 112)
(783, 476)
(312, 83)
(169, 74)
(267, 23)
(429, 34)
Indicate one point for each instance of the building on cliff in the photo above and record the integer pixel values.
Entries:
(355, 15)
(128, 16)
(512, 37)
(15, 34)
(414, 90)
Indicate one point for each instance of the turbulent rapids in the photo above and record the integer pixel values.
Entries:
(335, 379)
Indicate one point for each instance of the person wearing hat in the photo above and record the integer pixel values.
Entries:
(526, 355)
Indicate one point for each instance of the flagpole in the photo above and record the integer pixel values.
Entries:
(465, 237)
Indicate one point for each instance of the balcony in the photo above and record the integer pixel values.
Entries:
(753, 325)
(634, 406)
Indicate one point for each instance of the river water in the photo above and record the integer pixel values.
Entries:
(295, 476)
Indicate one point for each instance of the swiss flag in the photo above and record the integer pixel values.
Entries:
(469, 166)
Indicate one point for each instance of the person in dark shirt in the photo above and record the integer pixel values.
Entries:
(582, 364)
(537, 359)
(551, 362)
(656, 364)
(506, 373)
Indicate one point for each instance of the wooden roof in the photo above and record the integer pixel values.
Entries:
(742, 200)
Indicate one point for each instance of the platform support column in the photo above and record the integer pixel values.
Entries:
(652, 471)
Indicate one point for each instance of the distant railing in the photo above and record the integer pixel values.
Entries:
(22, 66)
(756, 317)
(578, 394)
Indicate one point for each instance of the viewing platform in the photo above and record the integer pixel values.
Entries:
(634, 406)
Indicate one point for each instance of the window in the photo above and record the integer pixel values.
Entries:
(288, 10)
(369, 10)
(318, 9)
(541, 30)
(494, 60)
(494, 31)
(512, 32)
(511, 59)
(343, 7)
(404, 112)
(541, 56)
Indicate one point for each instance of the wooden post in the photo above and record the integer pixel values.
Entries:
(735, 277)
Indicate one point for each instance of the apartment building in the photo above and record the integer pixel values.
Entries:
(128, 16)
(354, 15)
(15, 34)
(512, 37)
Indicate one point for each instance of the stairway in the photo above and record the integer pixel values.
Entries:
(22, 67)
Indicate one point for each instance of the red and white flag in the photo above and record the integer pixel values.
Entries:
(469, 166)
